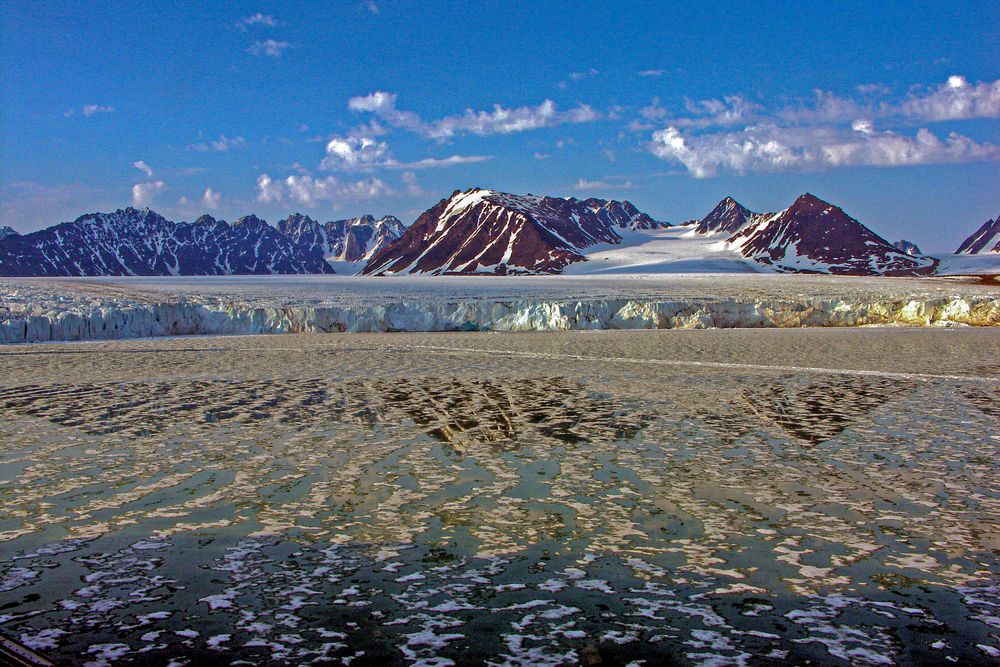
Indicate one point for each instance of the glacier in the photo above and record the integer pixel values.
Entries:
(64, 310)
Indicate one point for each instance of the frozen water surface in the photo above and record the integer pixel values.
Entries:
(712, 497)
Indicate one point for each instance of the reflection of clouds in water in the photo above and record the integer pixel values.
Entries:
(295, 603)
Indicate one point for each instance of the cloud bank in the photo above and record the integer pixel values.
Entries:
(500, 120)
(826, 132)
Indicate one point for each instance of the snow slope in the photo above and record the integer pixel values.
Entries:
(666, 250)
(958, 265)
(677, 250)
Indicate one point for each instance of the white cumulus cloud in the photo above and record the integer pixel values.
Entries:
(770, 148)
(412, 184)
(268, 47)
(354, 153)
(143, 167)
(211, 199)
(583, 185)
(89, 110)
(500, 120)
(432, 162)
(956, 99)
(730, 110)
(825, 131)
(577, 76)
(223, 143)
(260, 19)
(383, 105)
(825, 107)
(873, 89)
(143, 193)
(306, 190)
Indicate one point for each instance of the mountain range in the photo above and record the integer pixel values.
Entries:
(485, 231)
(142, 242)
(352, 240)
(488, 232)
(476, 231)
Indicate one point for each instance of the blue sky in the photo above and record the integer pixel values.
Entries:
(340, 108)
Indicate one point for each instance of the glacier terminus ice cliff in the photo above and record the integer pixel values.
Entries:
(37, 310)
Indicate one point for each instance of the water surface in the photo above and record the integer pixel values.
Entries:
(592, 498)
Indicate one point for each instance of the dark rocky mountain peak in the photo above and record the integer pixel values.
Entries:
(814, 236)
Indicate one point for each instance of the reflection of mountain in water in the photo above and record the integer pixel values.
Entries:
(987, 400)
(452, 410)
(818, 411)
(460, 411)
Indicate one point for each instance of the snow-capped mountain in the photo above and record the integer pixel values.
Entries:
(481, 231)
(983, 240)
(133, 242)
(908, 247)
(351, 240)
(812, 236)
(621, 214)
(727, 217)
(485, 231)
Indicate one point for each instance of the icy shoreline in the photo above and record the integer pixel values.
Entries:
(40, 312)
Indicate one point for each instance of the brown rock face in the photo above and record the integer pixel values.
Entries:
(812, 236)
(487, 232)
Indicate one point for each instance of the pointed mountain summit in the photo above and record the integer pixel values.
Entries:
(485, 231)
(813, 236)
(984, 240)
(727, 217)
(6, 232)
(251, 221)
